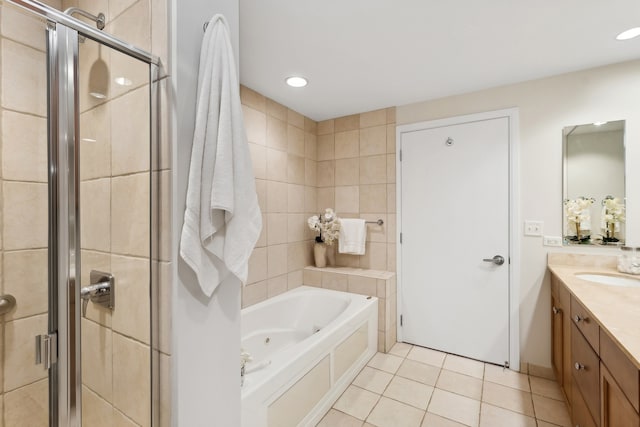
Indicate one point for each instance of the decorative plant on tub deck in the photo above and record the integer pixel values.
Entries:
(327, 225)
(577, 212)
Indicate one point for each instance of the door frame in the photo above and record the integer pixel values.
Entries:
(514, 215)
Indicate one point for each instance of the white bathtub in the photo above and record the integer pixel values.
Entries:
(307, 346)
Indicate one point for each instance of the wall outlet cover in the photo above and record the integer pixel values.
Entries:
(533, 228)
(552, 241)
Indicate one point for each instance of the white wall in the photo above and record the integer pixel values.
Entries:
(205, 331)
(546, 107)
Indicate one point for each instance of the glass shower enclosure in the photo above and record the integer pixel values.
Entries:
(78, 257)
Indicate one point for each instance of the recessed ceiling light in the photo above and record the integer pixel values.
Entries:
(296, 81)
(599, 123)
(629, 34)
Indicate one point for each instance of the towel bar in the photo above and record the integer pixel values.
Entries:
(379, 222)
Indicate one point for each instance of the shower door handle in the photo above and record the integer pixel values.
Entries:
(497, 260)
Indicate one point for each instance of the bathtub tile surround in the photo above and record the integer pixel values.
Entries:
(381, 284)
(383, 395)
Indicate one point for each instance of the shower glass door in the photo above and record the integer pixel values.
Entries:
(24, 216)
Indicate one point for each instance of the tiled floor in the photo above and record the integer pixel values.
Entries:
(418, 387)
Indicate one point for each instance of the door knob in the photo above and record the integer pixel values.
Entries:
(497, 260)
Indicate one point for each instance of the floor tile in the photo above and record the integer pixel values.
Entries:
(460, 384)
(357, 402)
(373, 380)
(493, 416)
(506, 377)
(401, 349)
(385, 362)
(462, 365)
(455, 407)
(551, 410)
(433, 420)
(410, 392)
(339, 419)
(508, 398)
(546, 388)
(391, 413)
(426, 355)
(426, 374)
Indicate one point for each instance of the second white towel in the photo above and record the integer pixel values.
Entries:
(353, 235)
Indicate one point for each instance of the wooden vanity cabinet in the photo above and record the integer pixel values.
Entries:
(561, 331)
(586, 373)
(616, 409)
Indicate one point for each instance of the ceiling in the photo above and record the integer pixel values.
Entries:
(362, 55)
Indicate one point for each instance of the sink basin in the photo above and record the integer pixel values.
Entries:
(609, 280)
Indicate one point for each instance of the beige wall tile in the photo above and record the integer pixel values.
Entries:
(24, 147)
(277, 165)
(96, 411)
(261, 191)
(391, 115)
(259, 160)
(130, 215)
(335, 281)
(95, 142)
(373, 198)
(253, 99)
(310, 146)
(121, 420)
(1, 405)
(373, 118)
(130, 132)
(295, 198)
(326, 127)
(391, 257)
(326, 173)
(131, 379)
(294, 279)
(102, 262)
(347, 123)
(165, 278)
(95, 214)
(391, 228)
(255, 122)
(24, 79)
(276, 196)
(391, 138)
(159, 30)
(276, 286)
(21, 26)
(121, 65)
(347, 144)
(165, 390)
(310, 126)
(312, 277)
(375, 257)
(24, 215)
(262, 239)
(326, 147)
(254, 293)
(257, 266)
(25, 277)
(362, 285)
(296, 119)
(97, 358)
(276, 133)
(276, 260)
(310, 172)
(373, 169)
(375, 232)
(391, 198)
(276, 229)
(133, 24)
(347, 199)
(296, 227)
(276, 110)
(311, 199)
(391, 168)
(295, 169)
(295, 141)
(116, 7)
(296, 259)
(373, 141)
(90, 54)
(132, 311)
(28, 406)
(19, 368)
(347, 172)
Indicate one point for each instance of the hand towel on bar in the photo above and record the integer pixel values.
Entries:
(353, 234)
(222, 219)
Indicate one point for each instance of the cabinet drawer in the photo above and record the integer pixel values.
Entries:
(580, 414)
(589, 328)
(586, 371)
(621, 368)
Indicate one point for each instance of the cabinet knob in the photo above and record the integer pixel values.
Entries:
(556, 310)
(578, 366)
(578, 318)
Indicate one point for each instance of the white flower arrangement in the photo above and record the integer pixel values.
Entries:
(327, 225)
(614, 210)
(576, 212)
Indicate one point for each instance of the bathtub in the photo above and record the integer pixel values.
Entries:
(306, 345)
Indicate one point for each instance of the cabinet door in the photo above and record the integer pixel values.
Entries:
(586, 371)
(616, 411)
(580, 414)
(565, 304)
(557, 338)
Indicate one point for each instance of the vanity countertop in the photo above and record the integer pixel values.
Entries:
(617, 308)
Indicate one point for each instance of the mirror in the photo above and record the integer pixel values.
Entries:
(594, 184)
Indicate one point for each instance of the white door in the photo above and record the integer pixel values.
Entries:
(455, 219)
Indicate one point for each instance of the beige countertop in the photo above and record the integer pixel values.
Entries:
(616, 308)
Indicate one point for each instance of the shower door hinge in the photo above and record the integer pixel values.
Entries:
(401, 320)
(47, 349)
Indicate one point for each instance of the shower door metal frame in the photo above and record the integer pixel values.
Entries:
(65, 383)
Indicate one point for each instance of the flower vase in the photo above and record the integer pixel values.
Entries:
(331, 256)
(320, 254)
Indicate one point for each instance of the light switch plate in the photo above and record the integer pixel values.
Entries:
(552, 241)
(533, 228)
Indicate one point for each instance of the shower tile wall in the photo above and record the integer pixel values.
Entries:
(23, 216)
(283, 149)
(357, 175)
